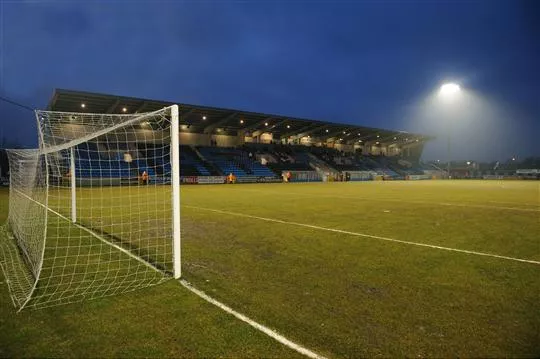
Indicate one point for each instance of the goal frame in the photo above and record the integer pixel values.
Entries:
(44, 151)
(175, 186)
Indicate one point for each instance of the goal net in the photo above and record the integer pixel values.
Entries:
(95, 211)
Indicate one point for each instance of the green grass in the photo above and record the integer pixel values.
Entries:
(337, 294)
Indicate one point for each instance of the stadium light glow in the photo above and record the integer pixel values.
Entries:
(266, 123)
(204, 117)
(288, 126)
(241, 121)
(124, 109)
(83, 105)
(449, 89)
(327, 131)
(448, 92)
(468, 163)
(378, 136)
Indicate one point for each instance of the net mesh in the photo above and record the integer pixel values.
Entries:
(111, 232)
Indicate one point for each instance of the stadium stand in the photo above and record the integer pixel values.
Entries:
(306, 163)
(90, 163)
(218, 141)
(235, 161)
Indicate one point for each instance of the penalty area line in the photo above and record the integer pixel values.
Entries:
(271, 333)
(419, 244)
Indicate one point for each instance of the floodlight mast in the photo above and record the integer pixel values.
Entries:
(447, 92)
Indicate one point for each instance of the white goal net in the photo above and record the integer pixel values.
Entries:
(95, 210)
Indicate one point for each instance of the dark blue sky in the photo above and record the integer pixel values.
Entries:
(374, 63)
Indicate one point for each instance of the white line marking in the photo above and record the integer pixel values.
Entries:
(366, 235)
(91, 233)
(398, 200)
(517, 203)
(271, 333)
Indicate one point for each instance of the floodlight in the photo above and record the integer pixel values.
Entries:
(449, 89)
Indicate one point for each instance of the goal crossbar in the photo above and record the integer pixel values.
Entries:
(95, 211)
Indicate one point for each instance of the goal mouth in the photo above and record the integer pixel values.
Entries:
(95, 211)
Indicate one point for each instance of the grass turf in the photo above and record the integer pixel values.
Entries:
(340, 295)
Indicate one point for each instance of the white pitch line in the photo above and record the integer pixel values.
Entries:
(92, 233)
(469, 205)
(366, 235)
(271, 333)
(517, 203)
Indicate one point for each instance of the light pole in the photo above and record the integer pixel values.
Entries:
(449, 92)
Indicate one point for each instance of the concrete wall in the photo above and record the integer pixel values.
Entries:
(201, 139)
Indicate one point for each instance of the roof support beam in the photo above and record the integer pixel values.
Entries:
(52, 103)
(310, 131)
(223, 120)
(256, 125)
(183, 115)
(331, 136)
(301, 131)
(278, 124)
(139, 109)
(268, 129)
(111, 108)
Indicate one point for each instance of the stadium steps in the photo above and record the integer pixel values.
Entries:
(210, 167)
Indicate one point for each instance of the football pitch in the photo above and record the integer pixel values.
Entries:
(358, 269)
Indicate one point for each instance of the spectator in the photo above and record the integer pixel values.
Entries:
(144, 178)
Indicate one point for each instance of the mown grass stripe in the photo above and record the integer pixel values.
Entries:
(530, 261)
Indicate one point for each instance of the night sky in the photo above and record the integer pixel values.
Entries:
(372, 63)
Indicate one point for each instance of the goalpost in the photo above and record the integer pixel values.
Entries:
(95, 211)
